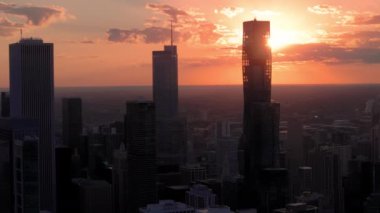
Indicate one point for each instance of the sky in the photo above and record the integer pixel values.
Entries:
(110, 42)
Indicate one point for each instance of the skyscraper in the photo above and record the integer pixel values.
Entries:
(257, 63)
(260, 138)
(141, 155)
(169, 128)
(26, 174)
(32, 97)
(19, 175)
(71, 122)
(165, 82)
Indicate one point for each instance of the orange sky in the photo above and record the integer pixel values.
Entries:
(109, 42)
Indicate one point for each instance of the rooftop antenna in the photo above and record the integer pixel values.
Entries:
(21, 34)
(171, 32)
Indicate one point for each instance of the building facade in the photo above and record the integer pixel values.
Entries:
(260, 140)
(141, 154)
(32, 97)
(19, 173)
(170, 129)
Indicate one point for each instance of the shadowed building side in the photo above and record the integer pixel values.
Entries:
(170, 129)
(141, 155)
(32, 97)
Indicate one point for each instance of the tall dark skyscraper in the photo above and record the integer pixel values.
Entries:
(32, 97)
(257, 63)
(169, 128)
(260, 139)
(165, 82)
(141, 155)
(71, 122)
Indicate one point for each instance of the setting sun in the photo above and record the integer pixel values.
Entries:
(280, 39)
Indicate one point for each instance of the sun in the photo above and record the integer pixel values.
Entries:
(280, 39)
(277, 43)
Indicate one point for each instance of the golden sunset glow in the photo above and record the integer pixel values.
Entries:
(117, 50)
(280, 39)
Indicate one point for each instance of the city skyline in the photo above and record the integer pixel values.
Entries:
(115, 50)
(157, 149)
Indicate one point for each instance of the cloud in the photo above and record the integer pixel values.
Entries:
(193, 63)
(230, 12)
(346, 17)
(147, 35)
(356, 39)
(265, 14)
(189, 26)
(8, 28)
(324, 9)
(366, 19)
(27, 15)
(327, 53)
(36, 15)
(87, 42)
(173, 12)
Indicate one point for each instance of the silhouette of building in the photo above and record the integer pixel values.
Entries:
(170, 129)
(165, 82)
(96, 148)
(260, 139)
(6, 174)
(63, 174)
(5, 105)
(200, 197)
(193, 173)
(295, 150)
(119, 180)
(297, 208)
(327, 177)
(71, 122)
(167, 206)
(372, 203)
(19, 172)
(274, 189)
(141, 154)
(94, 196)
(32, 97)
(305, 177)
(227, 139)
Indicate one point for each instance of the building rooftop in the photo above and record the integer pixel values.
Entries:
(31, 40)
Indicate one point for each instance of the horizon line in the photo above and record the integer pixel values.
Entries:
(219, 85)
(212, 85)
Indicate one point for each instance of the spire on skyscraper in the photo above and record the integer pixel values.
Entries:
(171, 33)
